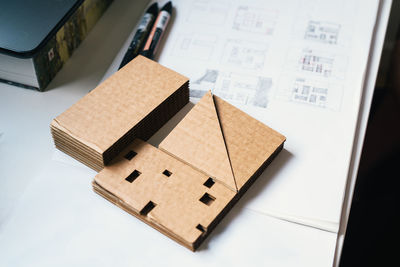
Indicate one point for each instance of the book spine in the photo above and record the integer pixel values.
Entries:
(51, 58)
(18, 84)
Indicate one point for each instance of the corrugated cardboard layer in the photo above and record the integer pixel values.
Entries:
(134, 102)
(248, 142)
(79, 156)
(198, 137)
(73, 143)
(120, 102)
(175, 190)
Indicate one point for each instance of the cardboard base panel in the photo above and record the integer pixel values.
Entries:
(115, 189)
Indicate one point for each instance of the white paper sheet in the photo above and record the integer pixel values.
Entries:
(297, 66)
(303, 61)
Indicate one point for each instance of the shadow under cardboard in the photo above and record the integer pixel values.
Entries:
(157, 138)
(255, 189)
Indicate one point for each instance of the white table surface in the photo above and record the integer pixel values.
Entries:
(49, 215)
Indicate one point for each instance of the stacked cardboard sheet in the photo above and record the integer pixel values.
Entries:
(201, 169)
(133, 103)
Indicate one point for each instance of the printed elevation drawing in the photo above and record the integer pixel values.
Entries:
(197, 46)
(245, 54)
(255, 20)
(311, 92)
(324, 32)
(208, 12)
(316, 78)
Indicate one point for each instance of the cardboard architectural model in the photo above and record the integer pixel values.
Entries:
(184, 188)
(200, 170)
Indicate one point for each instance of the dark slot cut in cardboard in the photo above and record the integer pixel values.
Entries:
(133, 103)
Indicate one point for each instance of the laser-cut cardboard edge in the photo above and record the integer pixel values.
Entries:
(223, 137)
(55, 123)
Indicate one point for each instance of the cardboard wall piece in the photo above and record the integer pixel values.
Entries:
(164, 192)
(133, 103)
(200, 171)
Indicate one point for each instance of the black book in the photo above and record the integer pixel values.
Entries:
(38, 37)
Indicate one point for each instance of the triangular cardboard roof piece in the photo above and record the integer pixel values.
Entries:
(199, 141)
(248, 141)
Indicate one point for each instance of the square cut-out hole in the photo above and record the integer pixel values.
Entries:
(201, 228)
(149, 206)
(210, 182)
(135, 174)
(130, 155)
(167, 173)
(207, 199)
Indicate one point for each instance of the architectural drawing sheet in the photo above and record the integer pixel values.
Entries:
(296, 65)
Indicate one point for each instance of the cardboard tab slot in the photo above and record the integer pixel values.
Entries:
(149, 206)
(201, 228)
(130, 155)
(209, 183)
(167, 173)
(207, 199)
(132, 177)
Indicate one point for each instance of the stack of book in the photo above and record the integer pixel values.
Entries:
(133, 103)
